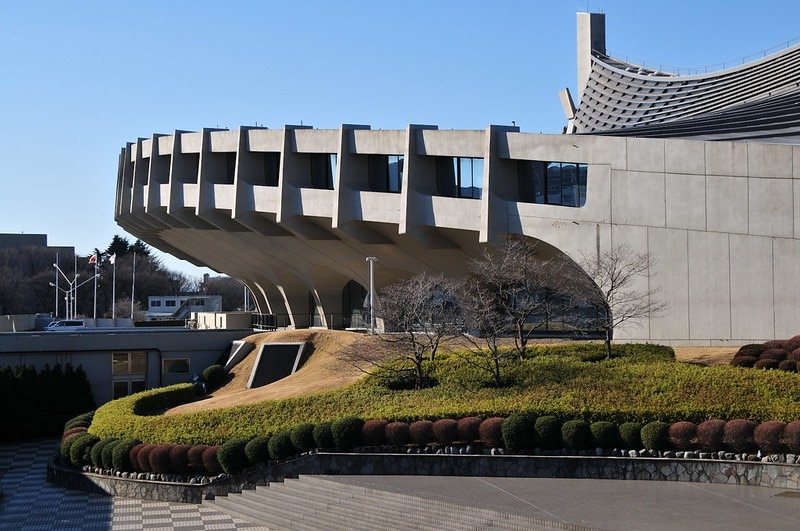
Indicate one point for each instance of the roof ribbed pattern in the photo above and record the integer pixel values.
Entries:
(754, 100)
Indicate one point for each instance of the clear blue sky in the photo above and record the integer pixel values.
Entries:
(80, 79)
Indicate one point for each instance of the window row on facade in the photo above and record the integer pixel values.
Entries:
(543, 182)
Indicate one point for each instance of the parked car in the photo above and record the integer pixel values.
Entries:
(66, 326)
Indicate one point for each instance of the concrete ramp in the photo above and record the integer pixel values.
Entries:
(239, 351)
(274, 362)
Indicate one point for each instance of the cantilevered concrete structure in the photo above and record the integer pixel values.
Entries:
(294, 212)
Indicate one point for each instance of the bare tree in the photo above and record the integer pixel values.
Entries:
(420, 314)
(516, 290)
(619, 294)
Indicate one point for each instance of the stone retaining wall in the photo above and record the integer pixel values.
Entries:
(640, 468)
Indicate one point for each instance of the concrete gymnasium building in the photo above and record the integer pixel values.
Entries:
(701, 171)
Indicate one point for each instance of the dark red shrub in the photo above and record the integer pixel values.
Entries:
(490, 432)
(159, 459)
(744, 361)
(777, 354)
(421, 432)
(179, 459)
(766, 364)
(775, 343)
(739, 436)
(468, 429)
(792, 343)
(791, 437)
(397, 433)
(683, 435)
(73, 431)
(788, 366)
(373, 432)
(143, 457)
(753, 349)
(133, 455)
(195, 456)
(795, 354)
(210, 461)
(445, 431)
(767, 436)
(710, 435)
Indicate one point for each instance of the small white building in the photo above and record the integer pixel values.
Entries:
(169, 307)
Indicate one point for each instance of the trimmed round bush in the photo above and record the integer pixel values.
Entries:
(64, 448)
(231, 456)
(445, 431)
(97, 451)
(710, 435)
(788, 365)
(468, 429)
(179, 459)
(107, 454)
(159, 459)
(421, 432)
(795, 355)
(604, 434)
(548, 432)
(195, 456)
(792, 343)
(777, 354)
(73, 431)
(143, 457)
(683, 435)
(738, 435)
(346, 433)
(768, 435)
(753, 349)
(302, 437)
(323, 438)
(744, 361)
(257, 450)
(121, 456)
(214, 375)
(576, 434)
(631, 435)
(133, 455)
(767, 364)
(211, 461)
(655, 435)
(397, 433)
(373, 432)
(775, 343)
(280, 446)
(791, 437)
(81, 448)
(491, 432)
(519, 432)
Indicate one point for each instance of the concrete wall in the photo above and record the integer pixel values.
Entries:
(718, 217)
(93, 349)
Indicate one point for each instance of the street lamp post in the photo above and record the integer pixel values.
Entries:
(71, 306)
(372, 260)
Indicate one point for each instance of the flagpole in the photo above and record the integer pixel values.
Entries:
(95, 289)
(114, 288)
(133, 284)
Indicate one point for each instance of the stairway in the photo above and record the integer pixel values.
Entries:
(319, 503)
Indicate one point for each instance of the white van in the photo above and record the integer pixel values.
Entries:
(66, 326)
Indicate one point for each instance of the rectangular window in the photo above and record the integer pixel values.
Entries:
(459, 177)
(129, 372)
(552, 183)
(169, 303)
(385, 173)
(155, 304)
(230, 167)
(175, 365)
(272, 168)
(323, 170)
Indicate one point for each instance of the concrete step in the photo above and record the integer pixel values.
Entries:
(322, 503)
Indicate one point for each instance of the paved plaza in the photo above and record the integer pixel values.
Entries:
(28, 502)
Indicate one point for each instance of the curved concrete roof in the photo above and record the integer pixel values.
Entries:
(756, 100)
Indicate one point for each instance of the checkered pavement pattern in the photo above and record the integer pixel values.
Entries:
(29, 502)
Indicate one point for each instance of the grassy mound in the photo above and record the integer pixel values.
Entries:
(641, 383)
